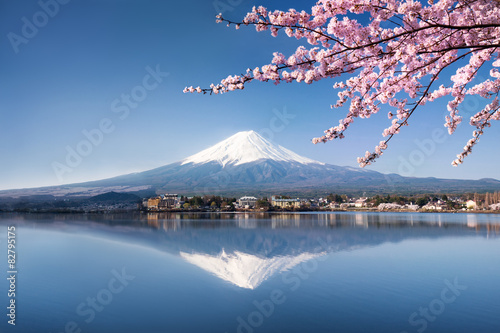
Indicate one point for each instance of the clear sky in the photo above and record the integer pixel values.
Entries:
(71, 72)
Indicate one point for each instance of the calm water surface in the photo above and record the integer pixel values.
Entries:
(310, 272)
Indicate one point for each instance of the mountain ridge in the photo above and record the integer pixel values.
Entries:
(247, 163)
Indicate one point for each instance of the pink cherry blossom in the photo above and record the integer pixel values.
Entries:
(394, 61)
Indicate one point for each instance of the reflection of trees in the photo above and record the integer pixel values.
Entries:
(284, 234)
(174, 220)
(491, 229)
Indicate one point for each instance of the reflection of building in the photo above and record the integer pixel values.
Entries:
(247, 202)
(285, 203)
(362, 219)
(472, 221)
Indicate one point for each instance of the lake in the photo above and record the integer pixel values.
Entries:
(238, 272)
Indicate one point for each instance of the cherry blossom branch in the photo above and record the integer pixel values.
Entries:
(482, 120)
(384, 62)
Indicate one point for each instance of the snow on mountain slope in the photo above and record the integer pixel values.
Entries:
(246, 147)
(245, 270)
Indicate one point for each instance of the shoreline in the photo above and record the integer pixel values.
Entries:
(252, 211)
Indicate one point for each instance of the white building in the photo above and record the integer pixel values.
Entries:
(285, 203)
(169, 200)
(412, 207)
(431, 206)
(247, 202)
(334, 205)
(471, 204)
(360, 203)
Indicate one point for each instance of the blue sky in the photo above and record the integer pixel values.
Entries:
(69, 77)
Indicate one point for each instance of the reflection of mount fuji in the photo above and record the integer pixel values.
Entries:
(246, 250)
(245, 270)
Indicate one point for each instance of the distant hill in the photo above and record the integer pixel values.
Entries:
(114, 198)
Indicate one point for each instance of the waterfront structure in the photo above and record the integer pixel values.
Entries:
(247, 202)
(169, 201)
(471, 204)
(411, 206)
(153, 203)
(162, 202)
(360, 203)
(285, 203)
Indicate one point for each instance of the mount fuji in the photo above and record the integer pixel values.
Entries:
(246, 147)
(248, 163)
(244, 162)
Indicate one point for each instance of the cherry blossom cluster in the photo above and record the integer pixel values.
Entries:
(480, 120)
(395, 60)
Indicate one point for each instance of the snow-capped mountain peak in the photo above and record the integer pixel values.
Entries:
(246, 147)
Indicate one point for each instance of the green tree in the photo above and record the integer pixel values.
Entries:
(196, 201)
(263, 203)
(334, 198)
(422, 201)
